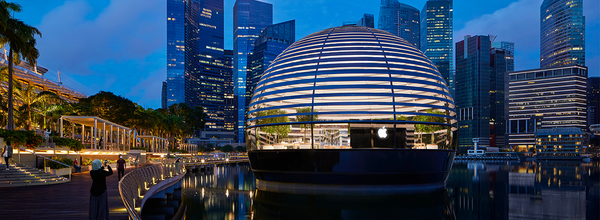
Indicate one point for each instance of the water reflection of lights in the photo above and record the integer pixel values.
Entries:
(211, 188)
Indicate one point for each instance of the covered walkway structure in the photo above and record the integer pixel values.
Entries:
(154, 144)
(98, 133)
(190, 148)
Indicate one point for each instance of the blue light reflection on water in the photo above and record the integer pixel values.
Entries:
(476, 190)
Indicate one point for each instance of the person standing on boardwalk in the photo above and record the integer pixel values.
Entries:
(121, 167)
(98, 195)
(7, 153)
(46, 137)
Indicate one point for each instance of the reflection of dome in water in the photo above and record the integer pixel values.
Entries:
(436, 205)
(350, 90)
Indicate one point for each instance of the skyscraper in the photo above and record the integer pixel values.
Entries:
(509, 47)
(229, 97)
(593, 100)
(272, 41)
(195, 60)
(401, 20)
(480, 74)
(545, 98)
(250, 17)
(501, 62)
(163, 95)
(368, 20)
(472, 85)
(562, 33)
(436, 36)
(176, 51)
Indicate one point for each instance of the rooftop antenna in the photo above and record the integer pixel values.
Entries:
(58, 73)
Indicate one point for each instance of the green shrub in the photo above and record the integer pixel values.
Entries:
(21, 138)
(240, 149)
(55, 165)
(178, 151)
(73, 144)
(87, 162)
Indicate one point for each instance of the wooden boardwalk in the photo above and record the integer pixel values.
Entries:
(61, 201)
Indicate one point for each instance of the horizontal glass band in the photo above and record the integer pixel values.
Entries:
(353, 121)
(256, 102)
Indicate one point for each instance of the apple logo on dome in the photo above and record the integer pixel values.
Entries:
(382, 132)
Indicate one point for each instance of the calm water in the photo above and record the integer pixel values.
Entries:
(532, 190)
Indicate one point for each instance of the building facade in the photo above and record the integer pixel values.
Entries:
(176, 52)
(195, 60)
(473, 81)
(593, 100)
(229, 97)
(250, 17)
(368, 20)
(509, 48)
(562, 33)
(436, 36)
(545, 98)
(163, 95)
(480, 75)
(272, 41)
(501, 62)
(401, 20)
(567, 141)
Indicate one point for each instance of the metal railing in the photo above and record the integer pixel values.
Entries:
(205, 158)
(136, 183)
(47, 158)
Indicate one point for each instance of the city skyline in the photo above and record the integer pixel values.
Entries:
(133, 64)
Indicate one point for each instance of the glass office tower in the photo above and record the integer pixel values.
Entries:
(480, 77)
(229, 97)
(272, 41)
(250, 17)
(593, 100)
(401, 20)
(176, 53)
(472, 86)
(163, 95)
(436, 36)
(368, 20)
(562, 33)
(195, 60)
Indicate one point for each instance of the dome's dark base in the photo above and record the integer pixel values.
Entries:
(351, 171)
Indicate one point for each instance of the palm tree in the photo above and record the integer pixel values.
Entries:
(20, 37)
(31, 99)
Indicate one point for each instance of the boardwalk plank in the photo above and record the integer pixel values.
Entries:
(61, 201)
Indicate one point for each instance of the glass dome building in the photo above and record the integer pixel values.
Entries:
(351, 106)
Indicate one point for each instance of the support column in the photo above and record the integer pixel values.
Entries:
(72, 131)
(83, 133)
(119, 140)
(61, 127)
(95, 133)
(104, 135)
(112, 138)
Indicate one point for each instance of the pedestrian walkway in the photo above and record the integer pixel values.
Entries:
(61, 201)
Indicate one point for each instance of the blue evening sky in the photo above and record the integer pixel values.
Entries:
(120, 45)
